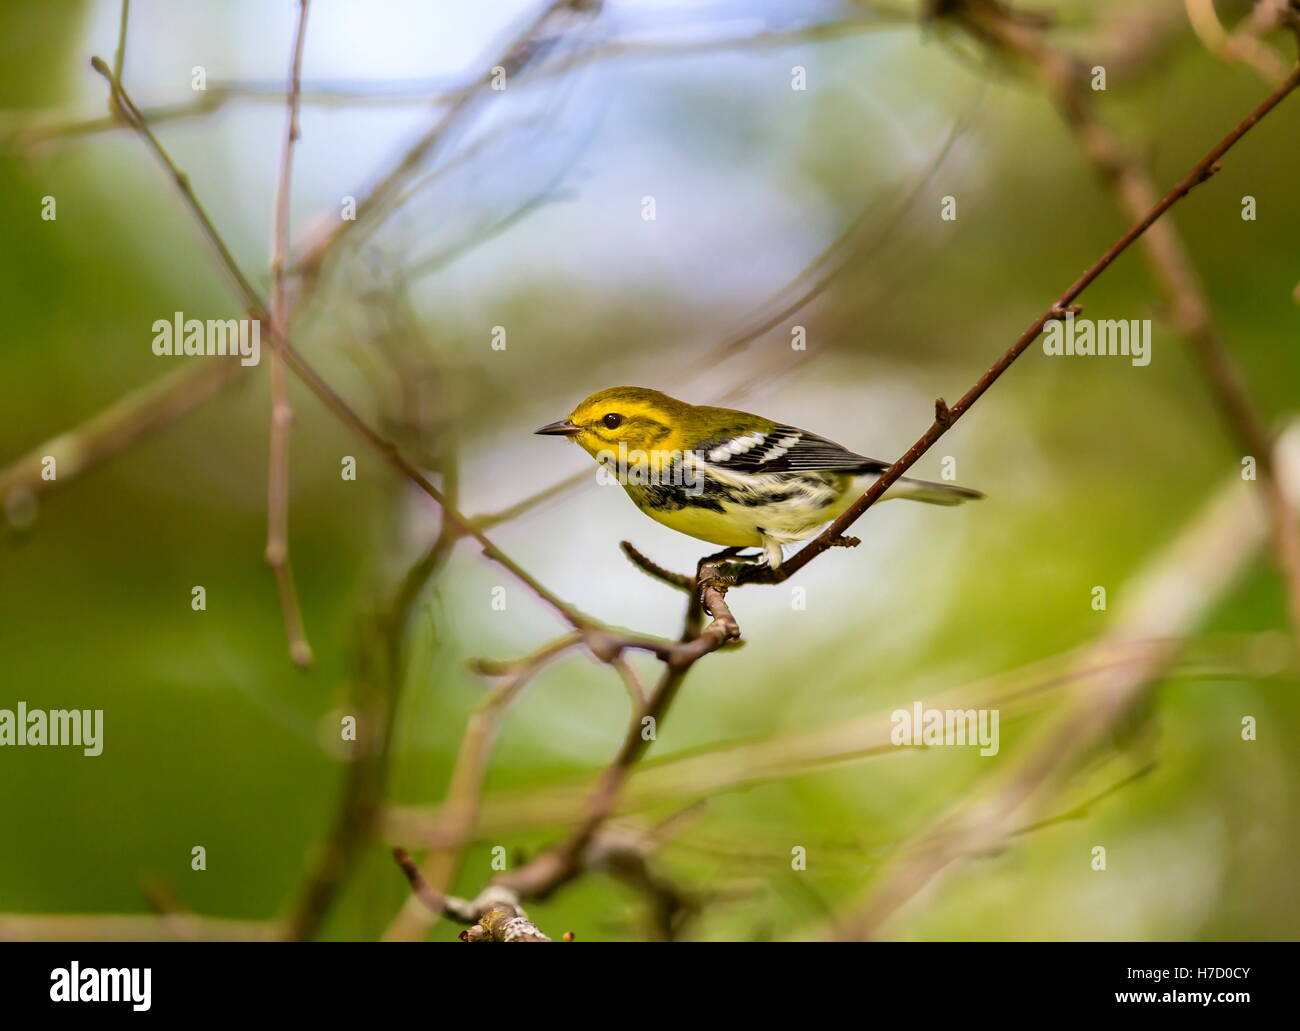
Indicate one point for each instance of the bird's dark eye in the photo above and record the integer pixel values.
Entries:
(613, 420)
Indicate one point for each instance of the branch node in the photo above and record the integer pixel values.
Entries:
(603, 645)
(503, 922)
(1058, 314)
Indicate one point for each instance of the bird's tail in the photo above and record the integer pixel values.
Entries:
(930, 493)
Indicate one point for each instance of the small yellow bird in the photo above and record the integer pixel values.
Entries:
(725, 476)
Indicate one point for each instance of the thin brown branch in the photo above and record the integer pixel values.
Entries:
(658, 572)
(277, 493)
(357, 812)
(435, 901)
(558, 866)
(389, 452)
(495, 916)
(1127, 178)
(496, 911)
(136, 120)
(182, 391)
(158, 403)
(258, 309)
(807, 285)
(460, 810)
(468, 775)
(1200, 172)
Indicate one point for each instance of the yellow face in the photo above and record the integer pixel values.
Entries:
(633, 417)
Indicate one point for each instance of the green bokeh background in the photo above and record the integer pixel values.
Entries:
(213, 739)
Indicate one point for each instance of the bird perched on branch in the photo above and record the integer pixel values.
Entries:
(725, 476)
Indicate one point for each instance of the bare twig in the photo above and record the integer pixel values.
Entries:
(357, 811)
(119, 58)
(136, 120)
(1200, 172)
(679, 580)
(432, 899)
(180, 392)
(304, 370)
(468, 774)
(277, 508)
(556, 867)
(496, 912)
(463, 795)
(114, 430)
(852, 243)
(495, 916)
(1128, 179)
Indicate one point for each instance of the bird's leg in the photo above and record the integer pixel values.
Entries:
(710, 568)
(711, 583)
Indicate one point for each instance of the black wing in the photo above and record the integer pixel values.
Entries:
(785, 449)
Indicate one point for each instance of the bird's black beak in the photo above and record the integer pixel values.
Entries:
(563, 428)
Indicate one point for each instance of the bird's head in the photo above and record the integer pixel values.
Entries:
(639, 419)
